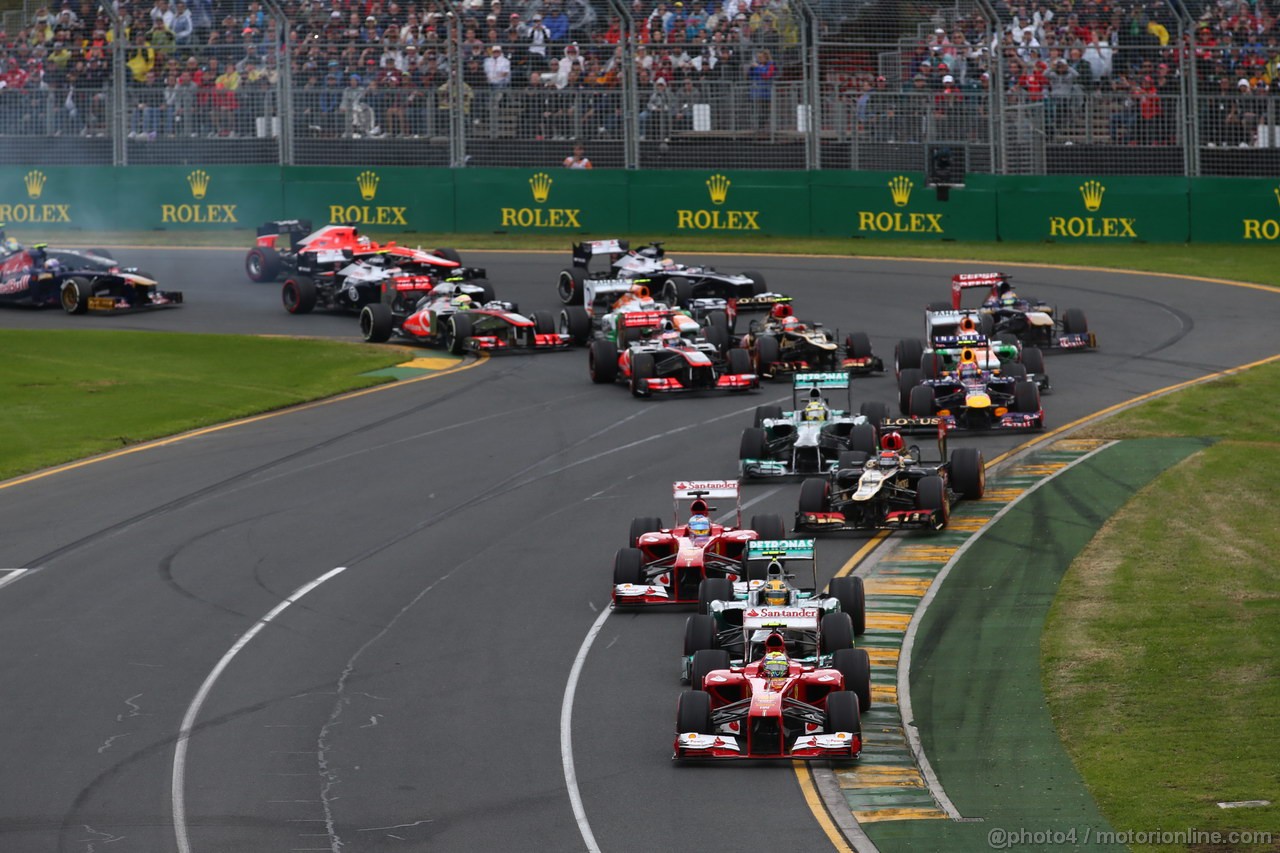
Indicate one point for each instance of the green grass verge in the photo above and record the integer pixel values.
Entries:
(1159, 655)
(70, 394)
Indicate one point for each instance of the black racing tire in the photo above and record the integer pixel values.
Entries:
(931, 493)
(754, 444)
(717, 337)
(908, 379)
(739, 362)
(642, 367)
(628, 566)
(713, 589)
(262, 263)
(766, 354)
(1074, 322)
(75, 294)
(855, 666)
(570, 285)
(849, 591)
(842, 713)
(1026, 396)
(906, 354)
(543, 323)
(758, 285)
(836, 632)
(874, 411)
(375, 322)
(693, 713)
(700, 633)
(931, 365)
(986, 324)
(858, 345)
(719, 320)
(602, 361)
(865, 438)
(576, 323)
(1014, 371)
(813, 495)
(768, 412)
(1033, 359)
(705, 662)
(457, 331)
(920, 403)
(968, 473)
(642, 524)
(677, 292)
(851, 459)
(448, 255)
(1008, 338)
(769, 526)
(299, 294)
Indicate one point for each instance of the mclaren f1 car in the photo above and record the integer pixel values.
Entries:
(675, 360)
(449, 318)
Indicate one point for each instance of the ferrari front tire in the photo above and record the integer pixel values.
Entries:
(628, 566)
(693, 713)
(855, 666)
(843, 713)
(704, 663)
(375, 323)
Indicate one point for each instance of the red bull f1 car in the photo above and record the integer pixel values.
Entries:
(78, 282)
(969, 396)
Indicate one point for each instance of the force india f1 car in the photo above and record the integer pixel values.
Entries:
(893, 490)
(676, 360)
(666, 565)
(781, 343)
(810, 438)
(77, 281)
(451, 319)
(1030, 321)
(969, 396)
(774, 707)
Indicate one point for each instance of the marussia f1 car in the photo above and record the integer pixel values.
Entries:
(971, 397)
(675, 284)
(737, 618)
(677, 359)
(666, 565)
(80, 282)
(894, 489)
(450, 318)
(606, 301)
(774, 707)
(1031, 321)
(807, 440)
(781, 343)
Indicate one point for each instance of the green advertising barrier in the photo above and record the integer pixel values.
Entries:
(552, 200)
(1067, 209)
(1235, 210)
(899, 205)
(198, 198)
(55, 198)
(729, 202)
(381, 198)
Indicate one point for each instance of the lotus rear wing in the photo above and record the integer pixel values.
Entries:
(696, 492)
(967, 281)
(583, 252)
(935, 424)
(810, 383)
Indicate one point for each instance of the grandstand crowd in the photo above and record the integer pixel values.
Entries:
(1093, 70)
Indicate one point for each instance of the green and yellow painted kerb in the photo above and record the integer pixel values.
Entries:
(418, 366)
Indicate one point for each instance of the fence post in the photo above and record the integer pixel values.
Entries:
(284, 82)
(118, 122)
(627, 86)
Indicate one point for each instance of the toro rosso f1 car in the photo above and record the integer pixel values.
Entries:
(79, 282)
(666, 565)
(1031, 321)
(449, 318)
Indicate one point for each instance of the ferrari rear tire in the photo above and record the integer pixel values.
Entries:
(855, 666)
(1033, 359)
(851, 594)
(758, 285)
(863, 437)
(1074, 322)
(576, 323)
(262, 263)
(602, 361)
(75, 295)
(769, 526)
(1026, 396)
(705, 662)
(843, 713)
(677, 292)
(754, 444)
(920, 402)
(699, 633)
(769, 412)
(836, 631)
(642, 368)
(968, 473)
(713, 589)
(766, 355)
(628, 566)
(813, 495)
(693, 713)
(906, 354)
(739, 362)
(931, 493)
(375, 322)
(448, 255)
(858, 345)
(457, 331)
(570, 285)
(908, 379)
(641, 525)
(299, 294)
(543, 323)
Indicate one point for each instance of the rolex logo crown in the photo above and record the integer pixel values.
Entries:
(35, 183)
(1091, 192)
(900, 189)
(368, 183)
(718, 186)
(199, 182)
(541, 186)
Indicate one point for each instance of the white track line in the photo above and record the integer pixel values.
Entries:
(189, 719)
(13, 575)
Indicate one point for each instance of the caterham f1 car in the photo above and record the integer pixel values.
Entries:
(79, 282)
(665, 565)
(450, 318)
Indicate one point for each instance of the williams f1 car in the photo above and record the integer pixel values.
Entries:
(894, 489)
(810, 438)
(781, 343)
(969, 396)
(451, 319)
(666, 565)
(1031, 321)
(79, 282)
(351, 285)
(676, 360)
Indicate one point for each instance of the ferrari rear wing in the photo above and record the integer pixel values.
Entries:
(697, 492)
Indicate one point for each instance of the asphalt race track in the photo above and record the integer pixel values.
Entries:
(413, 701)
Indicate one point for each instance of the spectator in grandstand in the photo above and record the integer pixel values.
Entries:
(657, 110)
(183, 25)
(557, 22)
(761, 76)
(578, 159)
(1064, 96)
(1124, 115)
(536, 38)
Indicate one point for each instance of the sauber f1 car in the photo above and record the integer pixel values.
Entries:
(969, 396)
(774, 707)
(781, 343)
(1031, 321)
(809, 438)
(675, 360)
(895, 489)
(451, 319)
(79, 282)
(666, 565)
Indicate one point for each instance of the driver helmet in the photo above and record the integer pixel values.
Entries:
(362, 241)
(699, 527)
(461, 301)
(815, 411)
(969, 370)
(775, 594)
(775, 665)
(1009, 300)
(669, 338)
(782, 311)
(53, 265)
(11, 245)
(892, 441)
